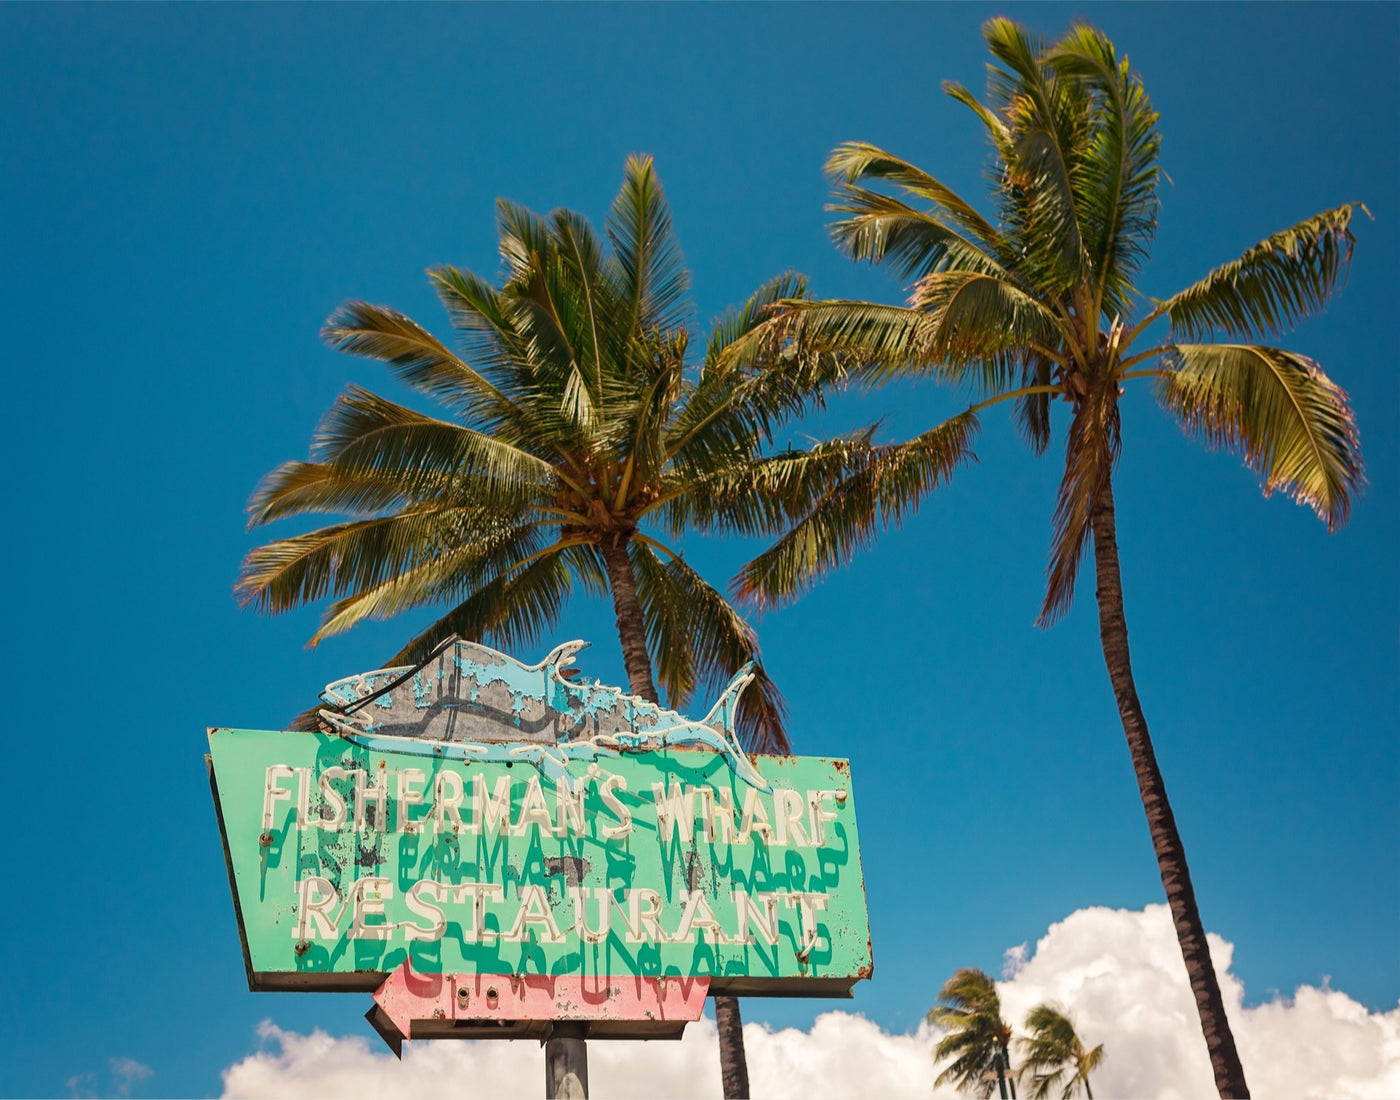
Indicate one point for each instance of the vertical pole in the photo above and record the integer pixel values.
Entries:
(566, 1062)
(999, 1061)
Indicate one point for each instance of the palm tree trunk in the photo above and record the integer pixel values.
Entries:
(631, 631)
(733, 1065)
(1171, 855)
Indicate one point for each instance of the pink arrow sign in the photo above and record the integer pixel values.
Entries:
(407, 995)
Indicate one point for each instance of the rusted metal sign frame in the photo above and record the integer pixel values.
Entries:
(722, 837)
(783, 872)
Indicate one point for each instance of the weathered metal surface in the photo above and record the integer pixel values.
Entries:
(471, 702)
(407, 996)
(348, 860)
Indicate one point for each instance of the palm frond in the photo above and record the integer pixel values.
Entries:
(298, 488)
(756, 375)
(1046, 185)
(511, 610)
(1119, 200)
(1053, 1056)
(644, 244)
(969, 1010)
(982, 323)
(1292, 425)
(350, 557)
(890, 339)
(524, 237)
(1271, 286)
(882, 229)
(887, 483)
(363, 432)
(1091, 451)
(997, 132)
(417, 358)
(488, 338)
(700, 641)
(739, 322)
(858, 160)
(443, 578)
(551, 316)
(760, 496)
(1032, 413)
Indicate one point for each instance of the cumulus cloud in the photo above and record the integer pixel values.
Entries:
(842, 1055)
(123, 1073)
(1119, 971)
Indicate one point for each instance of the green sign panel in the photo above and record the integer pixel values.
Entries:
(348, 859)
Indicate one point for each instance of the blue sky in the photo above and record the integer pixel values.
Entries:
(190, 190)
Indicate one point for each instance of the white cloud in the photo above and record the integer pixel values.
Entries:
(128, 1071)
(1119, 972)
(782, 1063)
(123, 1073)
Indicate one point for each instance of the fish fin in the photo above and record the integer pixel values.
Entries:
(337, 722)
(721, 715)
(562, 655)
(721, 721)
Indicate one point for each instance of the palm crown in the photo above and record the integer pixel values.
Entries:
(978, 1040)
(579, 420)
(1040, 302)
(1054, 1057)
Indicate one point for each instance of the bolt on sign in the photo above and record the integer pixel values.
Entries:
(490, 847)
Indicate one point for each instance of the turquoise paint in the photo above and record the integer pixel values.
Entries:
(268, 878)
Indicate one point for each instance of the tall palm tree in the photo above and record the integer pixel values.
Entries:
(1053, 1057)
(582, 434)
(978, 1040)
(1039, 302)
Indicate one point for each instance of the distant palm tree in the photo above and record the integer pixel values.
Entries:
(584, 434)
(1040, 303)
(978, 1040)
(1053, 1057)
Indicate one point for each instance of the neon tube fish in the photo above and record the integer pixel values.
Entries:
(468, 701)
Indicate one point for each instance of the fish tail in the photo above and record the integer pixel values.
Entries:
(721, 721)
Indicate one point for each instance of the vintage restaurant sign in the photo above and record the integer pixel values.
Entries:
(631, 846)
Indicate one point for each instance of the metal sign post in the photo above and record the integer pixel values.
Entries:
(495, 850)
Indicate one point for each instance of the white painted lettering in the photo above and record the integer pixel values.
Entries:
(331, 799)
(419, 899)
(367, 897)
(534, 909)
(315, 898)
(675, 810)
(274, 792)
(447, 803)
(405, 798)
(788, 811)
(491, 811)
(365, 794)
(614, 804)
(533, 810)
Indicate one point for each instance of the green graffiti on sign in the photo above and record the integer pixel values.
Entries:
(346, 860)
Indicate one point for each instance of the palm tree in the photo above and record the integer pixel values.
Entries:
(583, 432)
(978, 1039)
(1053, 1057)
(1039, 303)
